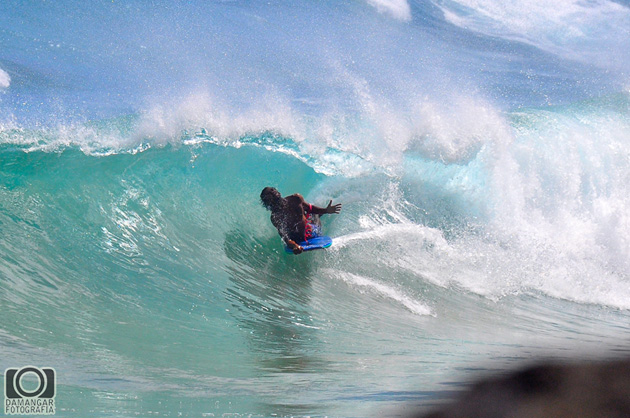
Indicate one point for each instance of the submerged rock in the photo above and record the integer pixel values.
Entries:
(580, 390)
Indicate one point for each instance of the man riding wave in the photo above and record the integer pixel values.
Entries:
(296, 220)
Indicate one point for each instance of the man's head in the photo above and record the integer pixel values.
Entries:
(270, 197)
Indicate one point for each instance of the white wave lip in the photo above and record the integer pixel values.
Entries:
(5, 79)
(398, 9)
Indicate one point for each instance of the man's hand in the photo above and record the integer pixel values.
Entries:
(295, 247)
(333, 208)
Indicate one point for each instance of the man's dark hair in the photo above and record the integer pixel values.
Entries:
(270, 197)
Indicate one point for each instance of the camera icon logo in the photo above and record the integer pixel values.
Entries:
(14, 387)
(24, 398)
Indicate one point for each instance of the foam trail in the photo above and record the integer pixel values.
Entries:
(385, 291)
(381, 232)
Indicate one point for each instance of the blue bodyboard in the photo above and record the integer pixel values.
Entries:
(316, 243)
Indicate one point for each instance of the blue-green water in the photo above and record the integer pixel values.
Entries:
(484, 175)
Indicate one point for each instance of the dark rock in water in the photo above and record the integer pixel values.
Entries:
(580, 390)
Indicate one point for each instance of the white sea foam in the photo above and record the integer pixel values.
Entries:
(398, 9)
(593, 31)
(547, 202)
(5, 79)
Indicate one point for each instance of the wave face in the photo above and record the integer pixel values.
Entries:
(481, 151)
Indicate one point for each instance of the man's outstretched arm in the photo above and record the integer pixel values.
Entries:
(328, 209)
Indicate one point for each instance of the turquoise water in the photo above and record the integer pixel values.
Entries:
(484, 175)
